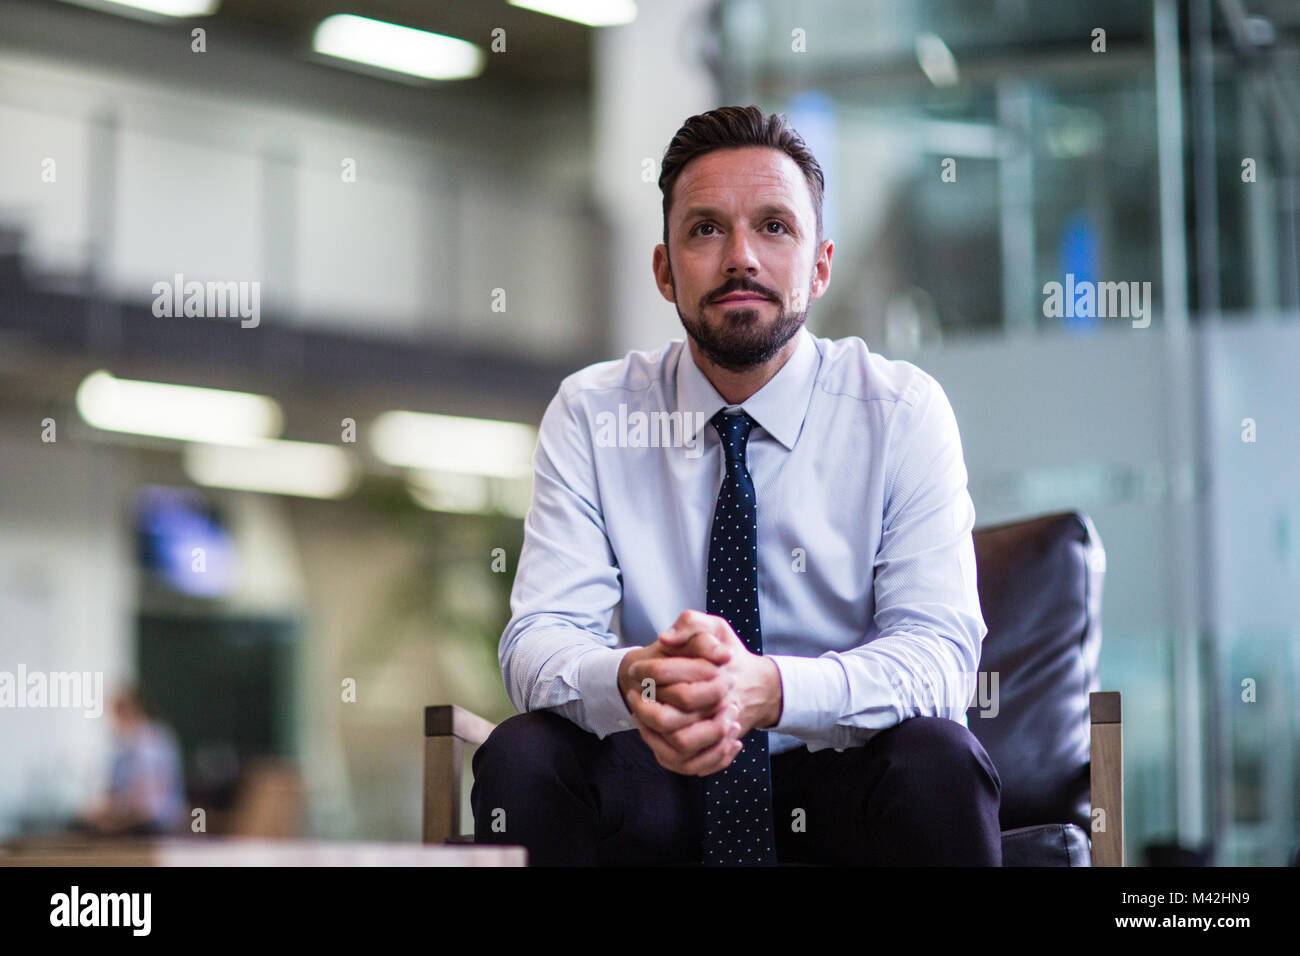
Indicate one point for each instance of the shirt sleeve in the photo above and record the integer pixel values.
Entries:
(925, 657)
(558, 651)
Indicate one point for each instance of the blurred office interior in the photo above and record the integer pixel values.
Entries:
(454, 247)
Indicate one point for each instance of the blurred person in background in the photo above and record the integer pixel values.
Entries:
(145, 795)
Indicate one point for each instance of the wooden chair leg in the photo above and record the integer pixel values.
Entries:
(448, 731)
(1107, 773)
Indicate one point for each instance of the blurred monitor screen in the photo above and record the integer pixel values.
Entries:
(183, 542)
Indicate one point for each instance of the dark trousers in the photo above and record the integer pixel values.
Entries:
(922, 793)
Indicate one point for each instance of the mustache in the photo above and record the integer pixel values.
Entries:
(743, 286)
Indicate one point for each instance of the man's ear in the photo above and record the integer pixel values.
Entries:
(663, 272)
(822, 268)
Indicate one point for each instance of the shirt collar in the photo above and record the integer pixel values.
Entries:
(778, 407)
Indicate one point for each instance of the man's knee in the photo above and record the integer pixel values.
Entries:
(943, 752)
(531, 788)
(522, 746)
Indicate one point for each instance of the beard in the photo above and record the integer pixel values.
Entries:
(740, 339)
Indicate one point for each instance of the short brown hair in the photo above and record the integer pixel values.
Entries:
(735, 126)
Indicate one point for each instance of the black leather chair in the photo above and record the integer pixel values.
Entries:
(1040, 585)
(1055, 741)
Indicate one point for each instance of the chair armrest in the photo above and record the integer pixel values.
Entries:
(1107, 779)
(448, 730)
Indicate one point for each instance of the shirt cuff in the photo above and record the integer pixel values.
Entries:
(813, 690)
(603, 705)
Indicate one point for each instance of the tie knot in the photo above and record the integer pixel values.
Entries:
(734, 431)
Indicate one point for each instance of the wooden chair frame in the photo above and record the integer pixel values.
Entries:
(448, 733)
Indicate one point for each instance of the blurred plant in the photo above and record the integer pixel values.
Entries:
(431, 593)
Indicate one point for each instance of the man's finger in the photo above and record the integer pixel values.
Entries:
(700, 736)
(675, 635)
(665, 754)
(687, 623)
(700, 697)
(670, 670)
(716, 758)
(660, 717)
(703, 644)
(668, 752)
(686, 733)
(703, 735)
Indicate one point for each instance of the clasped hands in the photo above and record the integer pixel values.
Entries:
(697, 691)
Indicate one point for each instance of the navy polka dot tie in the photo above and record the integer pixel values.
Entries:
(738, 827)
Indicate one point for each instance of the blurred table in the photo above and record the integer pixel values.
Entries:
(236, 851)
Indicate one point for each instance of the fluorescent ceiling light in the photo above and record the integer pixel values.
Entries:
(593, 13)
(177, 411)
(468, 446)
(400, 49)
(305, 469)
(937, 61)
(470, 494)
(165, 8)
(460, 494)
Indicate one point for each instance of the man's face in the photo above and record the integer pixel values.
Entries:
(123, 715)
(742, 224)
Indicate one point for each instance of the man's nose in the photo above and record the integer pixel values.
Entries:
(740, 255)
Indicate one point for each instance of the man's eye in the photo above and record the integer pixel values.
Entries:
(770, 222)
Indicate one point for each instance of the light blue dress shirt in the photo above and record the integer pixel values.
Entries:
(147, 772)
(866, 565)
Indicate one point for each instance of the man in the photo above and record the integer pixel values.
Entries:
(787, 545)
(145, 795)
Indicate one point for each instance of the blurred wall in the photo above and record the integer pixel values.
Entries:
(223, 166)
(66, 604)
(1254, 537)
